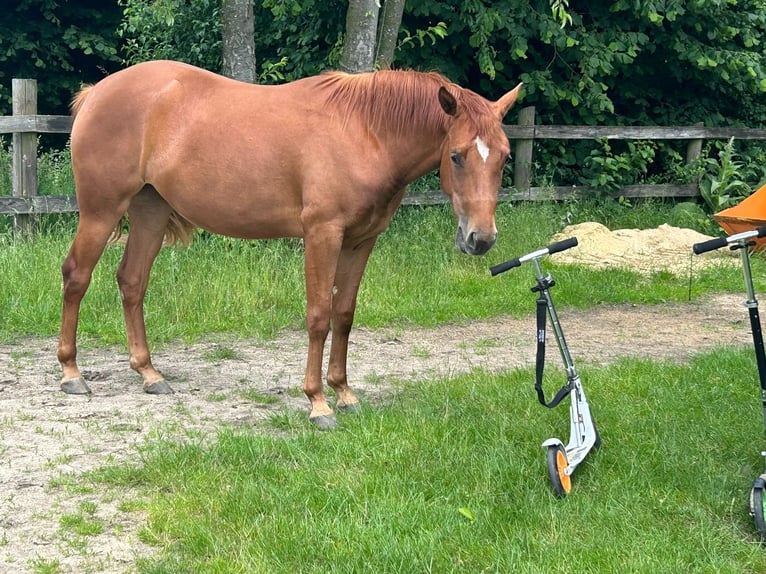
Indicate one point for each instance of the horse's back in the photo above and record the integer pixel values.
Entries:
(204, 142)
(135, 89)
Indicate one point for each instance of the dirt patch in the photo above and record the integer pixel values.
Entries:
(46, 435)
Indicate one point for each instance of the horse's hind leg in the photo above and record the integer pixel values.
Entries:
(93, 232)
(148, 215)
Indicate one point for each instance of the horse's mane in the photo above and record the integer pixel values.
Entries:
(402, 100)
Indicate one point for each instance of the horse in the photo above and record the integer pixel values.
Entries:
(326, 158)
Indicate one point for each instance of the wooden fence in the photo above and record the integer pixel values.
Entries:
(25, 125)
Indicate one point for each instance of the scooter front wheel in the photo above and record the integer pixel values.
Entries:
(756, 506)
(557, 465)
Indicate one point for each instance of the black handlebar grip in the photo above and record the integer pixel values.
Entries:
(710, 245)
(562, 245)
(719, 242)
(503, 267)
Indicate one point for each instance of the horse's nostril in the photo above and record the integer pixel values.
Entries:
(477, 244)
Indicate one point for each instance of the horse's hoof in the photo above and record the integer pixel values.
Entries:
(349, 408)
(75, 387)
(158, 388)
(324, 422)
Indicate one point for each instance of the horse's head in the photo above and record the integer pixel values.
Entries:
(472, 159)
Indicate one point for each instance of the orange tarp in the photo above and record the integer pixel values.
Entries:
(746, 215)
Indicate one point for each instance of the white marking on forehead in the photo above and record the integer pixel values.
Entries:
(483, 149)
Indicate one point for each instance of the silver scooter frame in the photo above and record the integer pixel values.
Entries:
(583, 435)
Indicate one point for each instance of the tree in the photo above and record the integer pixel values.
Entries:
(361, 34)
(372, 34)
(238, 39)
(391, 16)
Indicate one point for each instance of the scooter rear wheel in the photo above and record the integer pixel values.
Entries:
(756, 506)
(557, 464)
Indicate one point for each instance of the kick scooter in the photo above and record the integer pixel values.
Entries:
(742, 242)
(583, 435)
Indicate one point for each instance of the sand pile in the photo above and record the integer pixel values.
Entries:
(665, 248)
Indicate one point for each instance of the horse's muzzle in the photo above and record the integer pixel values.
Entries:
(474, 243)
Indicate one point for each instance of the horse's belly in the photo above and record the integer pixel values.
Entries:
(237, 217)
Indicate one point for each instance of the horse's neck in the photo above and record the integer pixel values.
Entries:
(392, 106)
(415, 151)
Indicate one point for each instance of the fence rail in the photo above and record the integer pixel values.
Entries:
(25, 125)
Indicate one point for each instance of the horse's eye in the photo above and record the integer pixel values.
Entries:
(457, 159)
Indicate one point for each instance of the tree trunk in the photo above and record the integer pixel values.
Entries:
(238, 39)
(361, 31)
(390, 22)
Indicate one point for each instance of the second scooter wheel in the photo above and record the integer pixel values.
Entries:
(756, 506)
(557, 464)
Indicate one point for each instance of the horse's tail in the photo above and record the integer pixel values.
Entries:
(179, 230)
(79, 99)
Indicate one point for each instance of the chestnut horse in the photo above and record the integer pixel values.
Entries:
(325, 158)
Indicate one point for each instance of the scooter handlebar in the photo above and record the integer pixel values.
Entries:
(710, 245)
(505, 266)
(562, 245)
(718, 242)
(556, 247)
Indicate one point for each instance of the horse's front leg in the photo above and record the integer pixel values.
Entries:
(322, 247)
(348, 277)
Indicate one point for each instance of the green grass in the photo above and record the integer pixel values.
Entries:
(450, 477)
(415, 277)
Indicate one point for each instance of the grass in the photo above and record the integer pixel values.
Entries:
(256, 289)
(450, 477)
(84, 522)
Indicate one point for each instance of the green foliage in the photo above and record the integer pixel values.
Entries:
(722, 185)
(690, 215)
(60, 44)
(607, 172)
(432, 34)
(54, 170)
(189, 31)
(308, 33)
(560, 11)
(292, 39)
(6, 163)
(616, 61)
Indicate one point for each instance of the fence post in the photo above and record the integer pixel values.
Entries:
(522, 160)
(24, 93)
(694, 148)
(693, 151)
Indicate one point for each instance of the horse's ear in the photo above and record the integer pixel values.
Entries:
(447, 101)
(506, 102)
